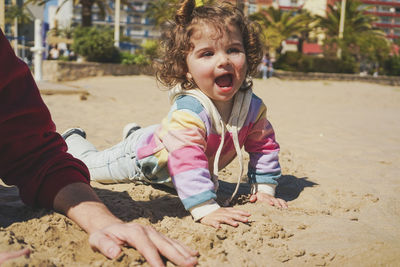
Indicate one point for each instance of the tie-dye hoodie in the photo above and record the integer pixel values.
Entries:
(192, 143)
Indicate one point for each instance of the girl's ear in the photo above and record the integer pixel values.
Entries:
(189, 76)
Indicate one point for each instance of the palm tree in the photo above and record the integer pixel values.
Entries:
(240, 4)
(358, 26)
(278, 25)
(18, 12)
(309, 26)
(163, 10)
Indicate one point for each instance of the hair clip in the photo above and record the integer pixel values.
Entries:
(199, 3)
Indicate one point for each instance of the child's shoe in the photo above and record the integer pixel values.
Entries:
(129, 129)
(72, 131)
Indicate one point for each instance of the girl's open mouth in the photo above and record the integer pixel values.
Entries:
(225, 82)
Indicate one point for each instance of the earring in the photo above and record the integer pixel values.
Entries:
(189, 83)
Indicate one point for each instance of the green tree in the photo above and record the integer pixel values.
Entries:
(309, 25)
(163, 10)
(19, 12)
(361, 39)
(278, 25)
(95, 44)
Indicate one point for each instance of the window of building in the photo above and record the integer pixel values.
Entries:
(385, 19)
(385, 9)
(137, 19)
(7, 29)
(252, 8)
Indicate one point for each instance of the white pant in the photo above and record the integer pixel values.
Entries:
(113, 165)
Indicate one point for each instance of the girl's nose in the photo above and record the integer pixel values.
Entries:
(223, 60)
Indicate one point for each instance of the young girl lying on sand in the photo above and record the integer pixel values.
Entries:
(210, 53)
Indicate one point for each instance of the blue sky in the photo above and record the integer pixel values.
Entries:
(50, 3)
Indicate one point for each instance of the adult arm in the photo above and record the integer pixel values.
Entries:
(33, 157)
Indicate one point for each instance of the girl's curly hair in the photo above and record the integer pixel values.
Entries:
(175, 45)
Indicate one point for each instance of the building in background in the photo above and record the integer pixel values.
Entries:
(388, 13)
(135, 25)
(133, 22)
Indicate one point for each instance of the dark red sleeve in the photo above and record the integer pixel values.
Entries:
(32, 155)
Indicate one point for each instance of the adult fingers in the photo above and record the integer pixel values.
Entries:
(137, 236)
(171, 249)
(106, 245)
(182, 247)
(14, 254)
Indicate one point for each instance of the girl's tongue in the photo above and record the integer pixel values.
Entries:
(224, 81)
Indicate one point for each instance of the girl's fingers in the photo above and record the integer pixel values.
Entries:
(283, 203)
(233, 211)
(230, 221)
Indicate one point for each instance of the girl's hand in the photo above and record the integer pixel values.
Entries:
(228, 216)
(273, 201)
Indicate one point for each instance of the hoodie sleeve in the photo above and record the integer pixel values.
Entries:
(183, 133)
(264, 167)
(32, 155)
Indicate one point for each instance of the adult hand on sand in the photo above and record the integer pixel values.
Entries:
(4, 256)
(107, 233)
(273, 201)
(146, 240)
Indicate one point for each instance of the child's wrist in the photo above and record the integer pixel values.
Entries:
(204, 209)
(263, 188)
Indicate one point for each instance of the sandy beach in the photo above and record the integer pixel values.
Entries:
(340, 156)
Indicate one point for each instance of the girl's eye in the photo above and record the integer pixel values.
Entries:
(233, 50)
(207, 54)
